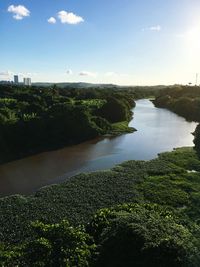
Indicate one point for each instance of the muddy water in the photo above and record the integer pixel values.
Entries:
(158, 130)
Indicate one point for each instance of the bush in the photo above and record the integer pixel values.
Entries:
(55, 245)
(142, 235)
(197, 140)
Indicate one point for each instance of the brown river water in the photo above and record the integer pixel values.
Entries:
(158, 130)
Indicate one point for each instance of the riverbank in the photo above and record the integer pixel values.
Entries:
(156, 132)
(120, 128)
(184, 101)
(167, 180)
(116, 129)
(35, 120)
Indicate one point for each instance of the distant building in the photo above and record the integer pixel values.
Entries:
(16, 79)
(27, 81)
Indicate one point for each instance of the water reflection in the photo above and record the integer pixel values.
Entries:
(158, 130)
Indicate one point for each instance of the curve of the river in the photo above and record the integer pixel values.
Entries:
(158, 130)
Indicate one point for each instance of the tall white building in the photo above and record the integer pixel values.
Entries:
(16, 79)
(27, 81)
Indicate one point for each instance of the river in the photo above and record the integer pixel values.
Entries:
(158, 130)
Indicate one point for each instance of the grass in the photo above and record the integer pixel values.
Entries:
(121, 128)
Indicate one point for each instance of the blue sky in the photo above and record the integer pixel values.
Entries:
(126, 42)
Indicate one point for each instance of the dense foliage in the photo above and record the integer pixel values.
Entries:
(55, 245)
(142, 235)
(171, 180)
(197, 139)
(183, 100)
(159, 224)
(113, 104)
(34, 119)
(127, 235)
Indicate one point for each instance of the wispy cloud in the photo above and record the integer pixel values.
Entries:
(19, 12)
(88, 73)
(51, 20)
(155, 28)
(27, 74)
(6, 73)
(69, 17)
(69, 72)
(115, 74)
(110, 74)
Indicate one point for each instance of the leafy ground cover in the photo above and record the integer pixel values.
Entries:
(121, 128)
(164, 181)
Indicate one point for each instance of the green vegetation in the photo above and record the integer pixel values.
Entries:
(121, 128)
(127, 235)
(171, 229)
(197, 139)
(142, 235)
(34, 119)
(140, 213)
(52, 245)
(183, 100)
(114, 110)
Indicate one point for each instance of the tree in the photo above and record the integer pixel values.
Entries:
(57, 245)
(114, 110)
(197, 139)
(141, 235)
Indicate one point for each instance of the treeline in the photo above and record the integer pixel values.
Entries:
(61, 225)
(185, 101)
(34, 119)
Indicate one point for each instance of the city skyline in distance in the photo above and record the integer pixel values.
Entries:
(125, 43)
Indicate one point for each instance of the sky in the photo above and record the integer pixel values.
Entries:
(126, 42)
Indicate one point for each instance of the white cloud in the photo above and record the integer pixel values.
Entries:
(32, 73)
(27, 74)
(6, 73)
(19, 12)
(110, 74)
(87, 73)
(115, 74)
(156, 28)
(69, 17)
(51, 20)
(69, 72)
